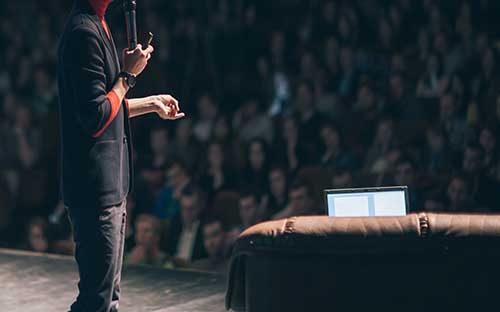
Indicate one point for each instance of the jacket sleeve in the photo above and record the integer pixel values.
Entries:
(94, 107)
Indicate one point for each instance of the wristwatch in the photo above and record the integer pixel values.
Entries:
(130, 79)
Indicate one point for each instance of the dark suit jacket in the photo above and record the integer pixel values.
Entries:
(173, 236)
(95, 170)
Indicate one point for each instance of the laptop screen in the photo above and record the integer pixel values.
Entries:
(390, 201)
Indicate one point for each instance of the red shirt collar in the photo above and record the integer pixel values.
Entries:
(100, 6)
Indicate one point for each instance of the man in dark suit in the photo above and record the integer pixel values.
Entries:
(96, 146)
(185, 235)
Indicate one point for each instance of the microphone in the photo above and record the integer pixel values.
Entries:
(130, 20)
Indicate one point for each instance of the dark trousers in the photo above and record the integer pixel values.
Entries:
(99, 238)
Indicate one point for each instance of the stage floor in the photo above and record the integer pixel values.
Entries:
(47, 283)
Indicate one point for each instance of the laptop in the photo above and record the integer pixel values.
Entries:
(367, 202)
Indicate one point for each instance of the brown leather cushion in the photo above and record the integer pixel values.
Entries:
(423, 235)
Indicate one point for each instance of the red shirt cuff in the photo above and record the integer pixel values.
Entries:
(126, 104)
(114, 101)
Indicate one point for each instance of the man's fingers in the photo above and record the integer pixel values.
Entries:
(176, 105)
(149, 49)
(179, 115)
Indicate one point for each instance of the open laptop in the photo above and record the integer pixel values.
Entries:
(365, 202)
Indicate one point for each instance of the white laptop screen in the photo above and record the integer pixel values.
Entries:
(366, 203)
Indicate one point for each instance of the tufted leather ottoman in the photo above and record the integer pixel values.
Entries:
(420, 262)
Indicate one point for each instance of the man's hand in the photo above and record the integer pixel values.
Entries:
(167, 107)
(136, 60)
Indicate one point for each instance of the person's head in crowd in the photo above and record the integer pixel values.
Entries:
(214, 238)
(342, 178)
(250, 15)
(250, 108)
(308, 66)
(184, 130)
(329, 12)
(278, 182)
(207, 108)
(192, 205)
(305, 98)
(331, 54)
(398, 63)
(423, 42)
(10, 101)
(458, 193)
(290, 130)
(488, 140)
(447, 107)
(257, 155)
(37, 235)
(405, 173)
(457, 87)
(346, 58)
(434, 202)
(441, 43)
(488, 60)
(278, 42)
(436, 139)
(481, 43)
(147, 231)
(394, 15)
(23, 117)
(331, 138)
(366, 98)
(178, 174)
(250, 209)
(222, 129)
(434, 66)
(159, 140)
(215, 156)
(473, 159)
(262, 67)
(385, 132)
(385, 33)
(300, 199)
(41, 79)
(345, 29)
(396, 86)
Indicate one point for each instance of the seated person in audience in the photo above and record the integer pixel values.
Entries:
(406, 175)
(252, 210)
(277, 198)
(147, 243)
(37, 235)
(335, 154)
(459, 197)
(484, 189)
(434, 202)
(342, 178)
(300, 202)
(178, 178)
(184, 239)
(214, 241)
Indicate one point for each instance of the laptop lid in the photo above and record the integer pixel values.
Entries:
(366, 202)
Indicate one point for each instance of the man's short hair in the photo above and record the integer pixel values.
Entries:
(246, 193)
(213, 220)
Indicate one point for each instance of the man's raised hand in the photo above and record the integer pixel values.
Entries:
(167, 107)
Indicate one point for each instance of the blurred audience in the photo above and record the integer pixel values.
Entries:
(362, 93)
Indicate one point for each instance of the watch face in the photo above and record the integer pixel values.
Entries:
(131, 81)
